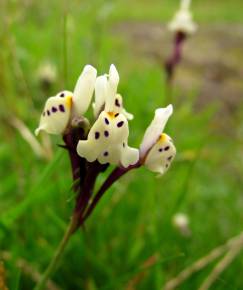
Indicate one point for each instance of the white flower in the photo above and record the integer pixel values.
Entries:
(121, 109)
(181, 222)
(100, 94)
(103, 89)
(59, 109)
(182, 21)
(83, 90)
(108, 137)
(47, 73)
(56, 114)
(157, 149)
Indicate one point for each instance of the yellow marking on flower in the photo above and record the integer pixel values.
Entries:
(162, 138)
(68, 101)
(111, 115)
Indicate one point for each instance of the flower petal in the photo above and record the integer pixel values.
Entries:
(185, 4)
(56, 114)
(161, 155)
(129, 116)
(112, 89)
(182, 21)
(105, 140)
(130, 156)
(111, 155)
(119, 108)
(100, 94)
(84, 90)
(155, 129)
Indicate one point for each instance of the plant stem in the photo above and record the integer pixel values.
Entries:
(72, 227)
(114, 176)
(65, 48)
(176, 56)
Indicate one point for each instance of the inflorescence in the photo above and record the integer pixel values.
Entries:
(93, 147)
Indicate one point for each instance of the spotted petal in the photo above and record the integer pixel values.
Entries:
(155, 129)
(106, 94)
(56, 114)
(83, 90)
(119, 108)
(107, 141)
(161, 155)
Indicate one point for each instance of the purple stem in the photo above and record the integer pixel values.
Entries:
(114, 176)
(84, 173)
(175, 58)
(77, 163)
(93, 170)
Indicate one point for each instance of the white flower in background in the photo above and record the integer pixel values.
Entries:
(181, 222)
(47, 73)
(182, 21)
(157, 149)
(108, 137)
(59, 109)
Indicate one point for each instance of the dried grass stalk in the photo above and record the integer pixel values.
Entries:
(232, 243)
(220, 267)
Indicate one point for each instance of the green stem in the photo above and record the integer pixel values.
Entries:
(72, 227)
(65, 48)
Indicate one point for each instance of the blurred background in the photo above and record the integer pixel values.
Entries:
(133, 240)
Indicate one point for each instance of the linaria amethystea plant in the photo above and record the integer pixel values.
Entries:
(92, 148)
(182, 25)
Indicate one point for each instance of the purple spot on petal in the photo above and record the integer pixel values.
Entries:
(61, 108)
(106, 153)
(54, 109)
(117, 103)
(107, 121)
(48, 112)
(117, 114)
(160, 149)
(62, 95)
(169, 158)
(167, 148)
(97, 135)
(106, 133)
(120, 124)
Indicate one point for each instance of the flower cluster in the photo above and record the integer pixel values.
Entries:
(107, 139)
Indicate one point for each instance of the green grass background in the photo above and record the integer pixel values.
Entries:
(133, 221)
